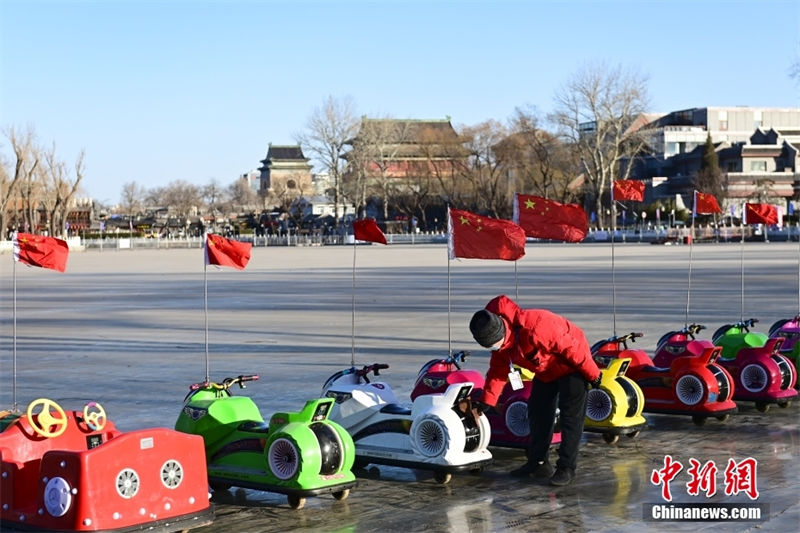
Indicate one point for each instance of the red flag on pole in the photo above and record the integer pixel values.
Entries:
(628, 190)
(367, 229)
(547, 219)
(472, 236)
(705, 204)
(40, 251)
(226, 252)
(760, 214)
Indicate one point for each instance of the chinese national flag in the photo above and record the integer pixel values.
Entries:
(226, 252)
(471, 236)
(40, 251)
(760, 214)
(705, 204)
(546, 219)
(367, 229)
(628, 190)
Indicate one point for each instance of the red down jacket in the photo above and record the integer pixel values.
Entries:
(543, 342)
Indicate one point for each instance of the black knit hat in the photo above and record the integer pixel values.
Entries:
(487, 328)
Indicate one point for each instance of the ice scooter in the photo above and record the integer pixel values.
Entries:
(761, 374)
(693, 384)
(508, 419)
(75, 471)
(613, 409)
(299, 454)
(789, 330)
(439, 432)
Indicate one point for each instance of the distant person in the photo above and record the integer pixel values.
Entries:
(557, 352)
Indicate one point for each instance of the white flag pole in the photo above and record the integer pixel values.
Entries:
(450, 255)
(353, 317)
(613, 270)
(515, 220)
(205, 301)
(14, 332)
(691, 245)
(741, 260)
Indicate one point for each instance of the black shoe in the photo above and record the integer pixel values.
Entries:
(562, 476)
(535, 469)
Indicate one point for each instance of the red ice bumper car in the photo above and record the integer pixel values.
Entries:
(762, 375)
(693, 384)
(74, 471)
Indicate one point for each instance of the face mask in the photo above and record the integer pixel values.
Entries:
(497, 345)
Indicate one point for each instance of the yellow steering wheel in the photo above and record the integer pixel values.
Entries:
(44, 422)
(95, 416)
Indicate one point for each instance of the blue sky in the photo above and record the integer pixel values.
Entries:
(157, 91)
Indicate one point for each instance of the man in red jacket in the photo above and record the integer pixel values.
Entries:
(557, 352)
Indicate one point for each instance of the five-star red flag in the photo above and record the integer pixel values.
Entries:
(472, 236)
(40, 251)
(367, 229)
(760, 214)
(547, 219)
(226, 252)
(628, 190)
(705, 204)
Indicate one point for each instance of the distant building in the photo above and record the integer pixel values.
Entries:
(253, 179)
(757, 148)
(406, 148)
(285, 172)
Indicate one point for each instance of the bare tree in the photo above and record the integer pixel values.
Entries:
(183, 196)
(241, 194)
(329, 130)
(378, 144)
(131, 198)
(447, 161)
(27, 184)
(486, 171)
(26, 160)
(59, 189)
(542, 164)
(596, 109)
(212, 194)
(7, 186)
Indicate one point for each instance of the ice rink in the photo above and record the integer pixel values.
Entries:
(126, 328)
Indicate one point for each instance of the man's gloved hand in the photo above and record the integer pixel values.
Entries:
(596, 383)
(479, 407)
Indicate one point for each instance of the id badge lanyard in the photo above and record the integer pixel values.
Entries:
(514, 376)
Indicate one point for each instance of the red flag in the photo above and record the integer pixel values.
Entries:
(628, 190)
(471, 236)
(367, 229)
(546, 219)
(760, 214)
(705, 204)
(40, 251)
(226, 252)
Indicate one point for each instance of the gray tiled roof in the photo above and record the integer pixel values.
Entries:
(285, 152)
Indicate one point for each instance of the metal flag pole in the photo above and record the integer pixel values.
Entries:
(449, 336)
(205, 301)
(613, 267)
(691, 245)
(353, 317)
(741, 261)
(14, 333)
(449, 257)
(515, 219)
(797, 225)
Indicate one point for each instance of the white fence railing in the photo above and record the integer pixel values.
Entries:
(665, 236)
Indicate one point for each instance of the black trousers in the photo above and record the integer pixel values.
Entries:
(569, 394)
